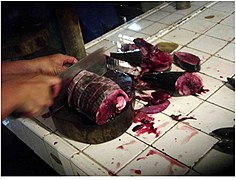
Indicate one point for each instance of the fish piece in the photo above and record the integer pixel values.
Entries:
(153, 109)
(98, 97)
(187, 61)
(183, 83)
(133, 57)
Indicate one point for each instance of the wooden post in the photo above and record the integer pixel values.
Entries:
(71, 32)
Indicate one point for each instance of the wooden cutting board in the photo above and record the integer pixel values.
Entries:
(76, 126)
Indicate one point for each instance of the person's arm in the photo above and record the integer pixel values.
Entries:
(47, 65)
(29, 96)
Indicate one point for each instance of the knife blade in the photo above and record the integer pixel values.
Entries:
(123, 66)
(95, 62)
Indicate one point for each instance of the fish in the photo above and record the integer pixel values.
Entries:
(97, 97)
(187, 61)
(182, 83)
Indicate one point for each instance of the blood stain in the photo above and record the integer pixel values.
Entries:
(122, 146)
(117, 165)
(136, 171)
(179, 118)
(111, 173)
(192, 131)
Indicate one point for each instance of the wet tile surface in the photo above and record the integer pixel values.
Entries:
(176, 146)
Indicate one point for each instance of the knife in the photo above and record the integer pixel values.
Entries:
(95, 62)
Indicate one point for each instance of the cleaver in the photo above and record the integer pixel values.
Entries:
(95, 62)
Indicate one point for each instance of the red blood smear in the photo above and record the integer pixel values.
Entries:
(122, 146)
(139, 116)
(141, 158)
(46, 115)
(192, 131)
(172, 161)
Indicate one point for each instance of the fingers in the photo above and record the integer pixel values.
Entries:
(69, 59)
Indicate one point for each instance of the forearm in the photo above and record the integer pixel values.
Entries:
(16, 68)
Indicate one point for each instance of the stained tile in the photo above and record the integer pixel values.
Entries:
(218, 68)
(228, 52)
(213, 15)
(182, 105)
(116, 153)
(210, 117)
(207, 44)
(162, 122)
(203, 56)
(181, 36)
(83, 165)
(223, 32)
(154, 28)
(224, 97)
(215, 163)
(173, 18)
(183, 144)
(198, 25)
(156, 16)
(153, 162)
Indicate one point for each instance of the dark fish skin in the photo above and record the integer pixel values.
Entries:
(133, 57)
(231, 81)
(224, 133)
(164, 80)
(226, 146)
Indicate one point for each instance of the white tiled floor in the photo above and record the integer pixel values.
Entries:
(182, 148)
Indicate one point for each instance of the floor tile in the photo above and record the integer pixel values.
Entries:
(183, 143)
(154, 28)
(81, 162)
(203, 56)
(120, 35)
(199, 3)
(140, 35)
(192, 173)
(170, 8)
(228, 52)
(213, 15)
(224, 6)
(230, 21)
(210, 84)
(210, 117)
(215, 163)
(198, 25)
(182, 105)
(116, 153)
(223, 32)
(138, 26)
(207, 44)
(181, 36)
(156, 16)
(161, 121)
(218, 68)
(224, 97)
(153, 162)
(172, 18)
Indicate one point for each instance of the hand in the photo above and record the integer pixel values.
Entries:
(29, 96)
(54, 64)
